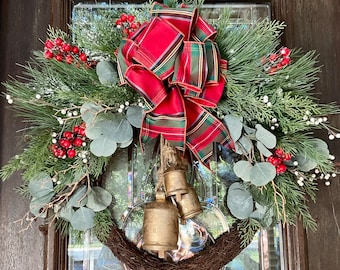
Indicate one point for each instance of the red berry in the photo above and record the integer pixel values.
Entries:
(65, 143)
(68, 135)
(273, 57)
(280, 169)
(279, 152)
(83, 57)
(49, 44)
(81, 131)
(130, 18)
(272, 70)
(126, 31)
(58, 41)
(285, 61)
(66, 47)
(119, 22)
(59, 153)
(134, 25)
(123, 17)
(59, 57)
(69, 59)
(76, 129)
(77, 142)
(286, 156)
(75, 49)
(285, 51)
(274, 160)
(48, 54)
(71, 153)
(53, 147)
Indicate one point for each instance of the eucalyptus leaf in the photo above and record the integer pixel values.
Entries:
(265, 136)
(79, 198)
(263, 214)
(321, 146)
(99, 199)
(40, 185)
(35, 207)
(103, 147)
(66, 213)
(89, 112)
(122, 130)
(243, 146)
(101, 125)
(239, 201)
(134, 115)
(262, 173)
(93, 131)
(242, 169)
(307, 166)
(263, 150)
(83, 219)
(249, 130)
(107, 73)
(234, 125)
(37, 204)
(256, 214)
(125, 144)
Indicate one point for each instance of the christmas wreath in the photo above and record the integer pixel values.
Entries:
(228, 103)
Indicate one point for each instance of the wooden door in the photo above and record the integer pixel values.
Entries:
(314, 25)
(22, 24)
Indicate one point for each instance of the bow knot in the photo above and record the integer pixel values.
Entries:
(174, 63)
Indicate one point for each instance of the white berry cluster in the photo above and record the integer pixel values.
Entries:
(266, 101)
(9, 99)
(127, 103)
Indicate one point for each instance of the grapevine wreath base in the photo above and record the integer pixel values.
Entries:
(224, 250)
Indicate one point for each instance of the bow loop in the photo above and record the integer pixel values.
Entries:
(184, 19)
(191, 68)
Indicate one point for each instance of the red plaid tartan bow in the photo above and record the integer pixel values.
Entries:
(174, 64)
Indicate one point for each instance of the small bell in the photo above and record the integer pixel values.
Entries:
(160, 227)
(189, 206)
(175, 182)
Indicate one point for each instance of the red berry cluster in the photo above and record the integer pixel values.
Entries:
(63, 51)
(278, 60)
(66, 145)
(127, 23)
(277, 160)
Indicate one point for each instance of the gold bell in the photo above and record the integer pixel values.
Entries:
(160, 227)
(189, 206)
(175, 182)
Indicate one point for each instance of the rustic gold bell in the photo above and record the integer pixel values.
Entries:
(175, 183)
(189, 206)
(160, 227)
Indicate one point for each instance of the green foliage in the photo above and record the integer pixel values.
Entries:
(102, 224)
(248, 228)
(264, 110)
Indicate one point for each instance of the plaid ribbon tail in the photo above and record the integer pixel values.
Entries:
(203, 129)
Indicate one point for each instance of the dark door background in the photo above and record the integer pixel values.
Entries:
(312, 25)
